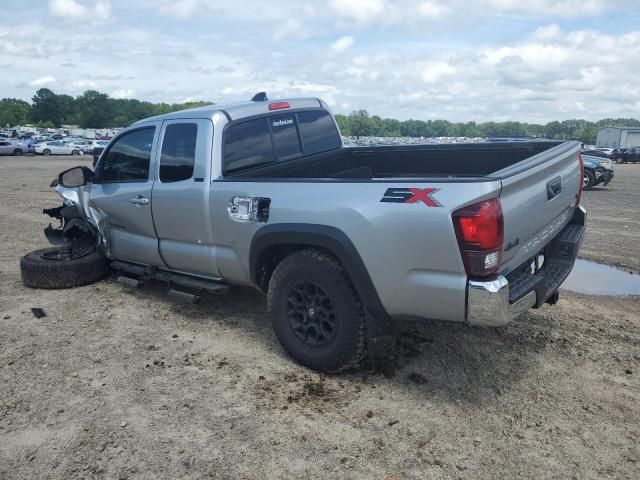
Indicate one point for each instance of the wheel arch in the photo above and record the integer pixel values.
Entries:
(273, 243)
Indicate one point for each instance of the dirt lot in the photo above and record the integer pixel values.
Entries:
(122, 383)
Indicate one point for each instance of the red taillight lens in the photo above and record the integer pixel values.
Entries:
(480, 232)
(581, 187)
(278, 105)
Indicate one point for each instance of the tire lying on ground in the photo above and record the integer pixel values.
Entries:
(47, 268)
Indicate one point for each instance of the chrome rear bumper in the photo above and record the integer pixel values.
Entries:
(495, 302)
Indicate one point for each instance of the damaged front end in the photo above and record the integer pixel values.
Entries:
(73, 228)
(75, 233)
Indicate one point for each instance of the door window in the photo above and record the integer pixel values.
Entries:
(127, 160)
(178, 152)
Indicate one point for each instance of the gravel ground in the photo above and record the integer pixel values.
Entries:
(122, 383)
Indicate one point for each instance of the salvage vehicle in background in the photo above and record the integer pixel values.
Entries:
(343, 241)
(8, 147)
(597, 171)
(56, 147)
(97, 149)
(628, 155)
(596, 153)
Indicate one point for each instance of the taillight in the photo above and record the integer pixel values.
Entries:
(581, 187)
(480, 232)
(278, 105)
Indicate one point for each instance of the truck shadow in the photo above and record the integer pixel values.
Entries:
(449, 361)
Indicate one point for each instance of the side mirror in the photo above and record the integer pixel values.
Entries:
(75, 177)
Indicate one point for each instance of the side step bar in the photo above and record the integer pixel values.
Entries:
(173, 279)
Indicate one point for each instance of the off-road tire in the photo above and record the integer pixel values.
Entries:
(40, 272)
(348, 348)
(592, 180)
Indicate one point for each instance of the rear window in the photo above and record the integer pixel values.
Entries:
(278, 138)
(285, 135)
(318, 131)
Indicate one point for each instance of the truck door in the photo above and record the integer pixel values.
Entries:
(181, 209)
(121, 193)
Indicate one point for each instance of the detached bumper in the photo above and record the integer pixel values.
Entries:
(495, 303)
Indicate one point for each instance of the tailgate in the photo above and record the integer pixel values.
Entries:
(538, 198)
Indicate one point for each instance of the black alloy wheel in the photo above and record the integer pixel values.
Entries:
(311, 315)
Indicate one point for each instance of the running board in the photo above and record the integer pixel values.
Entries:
(173, 279)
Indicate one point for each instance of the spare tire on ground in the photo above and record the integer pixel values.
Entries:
(56, 268)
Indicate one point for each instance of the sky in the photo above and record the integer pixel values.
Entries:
(459, 60)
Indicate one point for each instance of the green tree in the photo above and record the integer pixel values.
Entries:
(361, 124)
(14, 112)
(96, 109)
(46, 107)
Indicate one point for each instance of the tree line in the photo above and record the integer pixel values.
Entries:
(94, 109)
(360, 123)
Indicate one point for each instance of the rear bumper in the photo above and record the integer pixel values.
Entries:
(495, 303)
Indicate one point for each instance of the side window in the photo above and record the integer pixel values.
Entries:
(128, 158)
(178, 152)
(318, 131)
(285, 135)
(247, 144)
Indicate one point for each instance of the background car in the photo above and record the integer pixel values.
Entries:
(98, 147)
(9, 148)
(83, 145)
(56, 147)
(597, 170)
(629, 155)
(595, 153)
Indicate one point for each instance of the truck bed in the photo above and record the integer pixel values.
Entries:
(449, 160)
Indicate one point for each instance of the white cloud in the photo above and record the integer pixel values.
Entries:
(342, 44)
(565, 8)
(124, 93)
(71, 9)
(436, 71)
(82, 85)
(39, 82)
(362, 11)
(433, 10)
(182, 9)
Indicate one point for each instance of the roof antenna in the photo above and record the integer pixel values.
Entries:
(260, 97)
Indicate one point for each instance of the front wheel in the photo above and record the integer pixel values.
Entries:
(58, 267)
(316, 313)
(46, 152)
(17, 151)
(75, 152)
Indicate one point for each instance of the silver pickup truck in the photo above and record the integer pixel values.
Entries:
(344, 241)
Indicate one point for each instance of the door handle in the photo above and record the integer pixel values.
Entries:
(139, 200)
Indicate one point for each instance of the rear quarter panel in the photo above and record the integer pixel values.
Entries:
(409, 249)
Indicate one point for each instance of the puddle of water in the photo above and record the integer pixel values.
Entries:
(596, 279)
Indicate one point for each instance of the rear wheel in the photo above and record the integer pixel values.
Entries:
(46, 151)
(316, 313)
(589, 180)
(75, 152)
(18, 151)
(60, 267)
